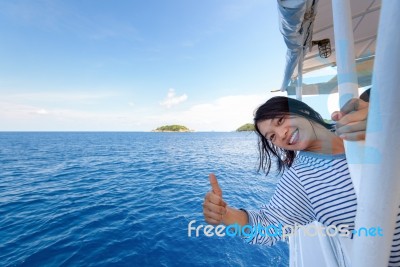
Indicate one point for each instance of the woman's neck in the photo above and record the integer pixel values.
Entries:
(326, 142)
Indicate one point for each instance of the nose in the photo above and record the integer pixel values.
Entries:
(283, 133)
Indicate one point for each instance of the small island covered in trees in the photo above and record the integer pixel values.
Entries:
(248, 127)
(172, 128)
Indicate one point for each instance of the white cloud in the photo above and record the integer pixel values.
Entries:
(42, 112)
(223, 114)
(172, 99)
(19, 117)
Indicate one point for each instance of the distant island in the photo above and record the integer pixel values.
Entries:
(172, 128)
(248, 127)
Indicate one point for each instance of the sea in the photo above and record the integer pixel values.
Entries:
(126, 198)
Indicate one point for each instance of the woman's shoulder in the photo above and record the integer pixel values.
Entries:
(313, 155)
(314, 166)
(311, 161)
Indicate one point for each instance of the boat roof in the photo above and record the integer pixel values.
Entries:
(305, 21)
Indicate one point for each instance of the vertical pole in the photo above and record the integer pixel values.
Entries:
(299, 86)
(379, 199)
(347, 77)
(344, 46)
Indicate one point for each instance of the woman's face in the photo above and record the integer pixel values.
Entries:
(288, 132)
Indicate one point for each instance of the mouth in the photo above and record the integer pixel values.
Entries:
(294, 137)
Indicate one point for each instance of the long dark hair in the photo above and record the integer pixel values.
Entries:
(277, 107)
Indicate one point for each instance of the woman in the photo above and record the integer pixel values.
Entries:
(315, 185)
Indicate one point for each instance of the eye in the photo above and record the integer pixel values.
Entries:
(272, 137)
(280, 121)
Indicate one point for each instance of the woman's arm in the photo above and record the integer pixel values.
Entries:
(233, 216)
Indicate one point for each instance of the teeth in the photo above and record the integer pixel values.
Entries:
(293, 136)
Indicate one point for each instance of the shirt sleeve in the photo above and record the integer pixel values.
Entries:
(289, 206)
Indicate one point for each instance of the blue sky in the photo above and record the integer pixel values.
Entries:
(136, 65)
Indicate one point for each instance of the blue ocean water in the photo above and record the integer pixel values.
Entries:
(125, 199)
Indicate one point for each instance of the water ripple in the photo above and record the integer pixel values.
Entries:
(101, 199)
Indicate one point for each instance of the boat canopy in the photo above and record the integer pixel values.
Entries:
(310, 40)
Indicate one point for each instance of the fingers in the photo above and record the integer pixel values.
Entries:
(352, 131)
(350, 105)
(354, 136)
(351, 120)
(351, 127)
(356, 116)
(337, 115)
(214, 208)
(354, 104)
(214, 184)
(213, 198)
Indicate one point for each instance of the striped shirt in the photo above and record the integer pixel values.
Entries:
(316, 188)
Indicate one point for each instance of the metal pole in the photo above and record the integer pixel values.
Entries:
(299, 86)
(344, 46)
(378, 203)
(347, 77)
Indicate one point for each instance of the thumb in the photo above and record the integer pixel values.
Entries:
(214, 185)
(337, 115)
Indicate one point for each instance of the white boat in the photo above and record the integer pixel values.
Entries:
(363, 39)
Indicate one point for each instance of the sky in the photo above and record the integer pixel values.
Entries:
(136, 65)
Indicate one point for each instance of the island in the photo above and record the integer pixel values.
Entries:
(173, 128)
(248, 127)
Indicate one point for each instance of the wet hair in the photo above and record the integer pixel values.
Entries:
(278, 107)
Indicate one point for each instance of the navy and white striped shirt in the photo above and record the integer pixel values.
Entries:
(316, 188)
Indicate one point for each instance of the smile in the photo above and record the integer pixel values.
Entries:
(294, 137)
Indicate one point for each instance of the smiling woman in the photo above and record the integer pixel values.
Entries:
(315, 185)
(287, 125)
